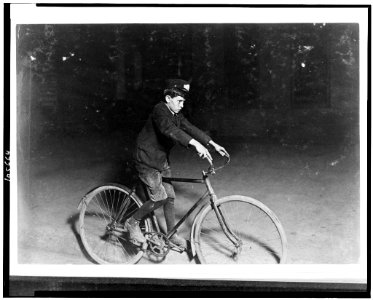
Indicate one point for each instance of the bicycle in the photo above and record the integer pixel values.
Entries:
(233, 229)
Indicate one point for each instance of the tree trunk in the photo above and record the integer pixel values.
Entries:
(121, 67)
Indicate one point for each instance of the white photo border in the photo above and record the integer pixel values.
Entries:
(31, 14)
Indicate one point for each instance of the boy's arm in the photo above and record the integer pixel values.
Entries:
(221, 150)
(163, 121)
(194, 132)
(201, 150)
(201, 137)
(204, 153)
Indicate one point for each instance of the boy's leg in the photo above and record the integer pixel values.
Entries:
(160, 193)
(147, 208)
(153, 180)
(169, 211)
(169, 215)
(132, 224)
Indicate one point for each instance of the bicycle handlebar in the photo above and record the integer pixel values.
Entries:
(212, 169)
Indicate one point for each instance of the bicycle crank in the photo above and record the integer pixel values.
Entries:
(159, 244)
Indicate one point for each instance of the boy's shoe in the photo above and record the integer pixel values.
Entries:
(136, 236)
(178, 241)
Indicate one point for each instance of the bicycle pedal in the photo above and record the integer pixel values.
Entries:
(177, 248)
(137, 243)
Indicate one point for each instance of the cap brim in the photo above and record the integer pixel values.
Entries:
(181, 92)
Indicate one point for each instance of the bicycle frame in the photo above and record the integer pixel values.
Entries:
(109, 206)
(203, 197)
(209, 192)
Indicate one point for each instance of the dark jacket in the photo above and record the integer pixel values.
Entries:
(161, 132)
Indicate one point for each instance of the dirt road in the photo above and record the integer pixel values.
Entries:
(314, 190)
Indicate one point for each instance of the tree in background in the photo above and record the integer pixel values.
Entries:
(109, 76)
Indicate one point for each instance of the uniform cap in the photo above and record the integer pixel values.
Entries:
(178, 86)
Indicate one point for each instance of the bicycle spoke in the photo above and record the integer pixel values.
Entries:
(116, 204)
(124, 207)
(218, 243)
(107, 199)
(99, 247)
(121, 247)
(104, 203)
(214, 230)
(119, 205)
(124, 250)
(112, 201)
(103, 213)
(130, 212)
(98, 215)
(103, 243)
(236, 230)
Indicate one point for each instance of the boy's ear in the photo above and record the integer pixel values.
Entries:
(167, 98)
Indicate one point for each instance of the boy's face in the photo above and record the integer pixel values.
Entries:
(175, 104)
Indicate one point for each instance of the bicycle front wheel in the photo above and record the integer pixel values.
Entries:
(254, 226)
(101, 220)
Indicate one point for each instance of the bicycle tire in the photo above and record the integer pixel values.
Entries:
(99, 208)
(263, 237)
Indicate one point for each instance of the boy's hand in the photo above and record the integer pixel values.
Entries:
(201, 150)
(221, 150)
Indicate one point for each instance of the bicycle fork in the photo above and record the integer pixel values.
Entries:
(223, 221)
(225, 226)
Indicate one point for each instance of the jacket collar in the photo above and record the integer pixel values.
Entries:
(169, 109)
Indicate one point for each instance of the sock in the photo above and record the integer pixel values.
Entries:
(169, 213)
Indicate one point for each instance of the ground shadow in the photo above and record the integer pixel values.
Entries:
(224, 249)
(73, 222)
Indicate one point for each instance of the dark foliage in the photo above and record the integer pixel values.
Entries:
(109, 76)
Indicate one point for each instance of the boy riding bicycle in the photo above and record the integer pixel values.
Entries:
(165, 127)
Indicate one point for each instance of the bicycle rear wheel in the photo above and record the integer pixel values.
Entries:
(102, 232)
(259, 231)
